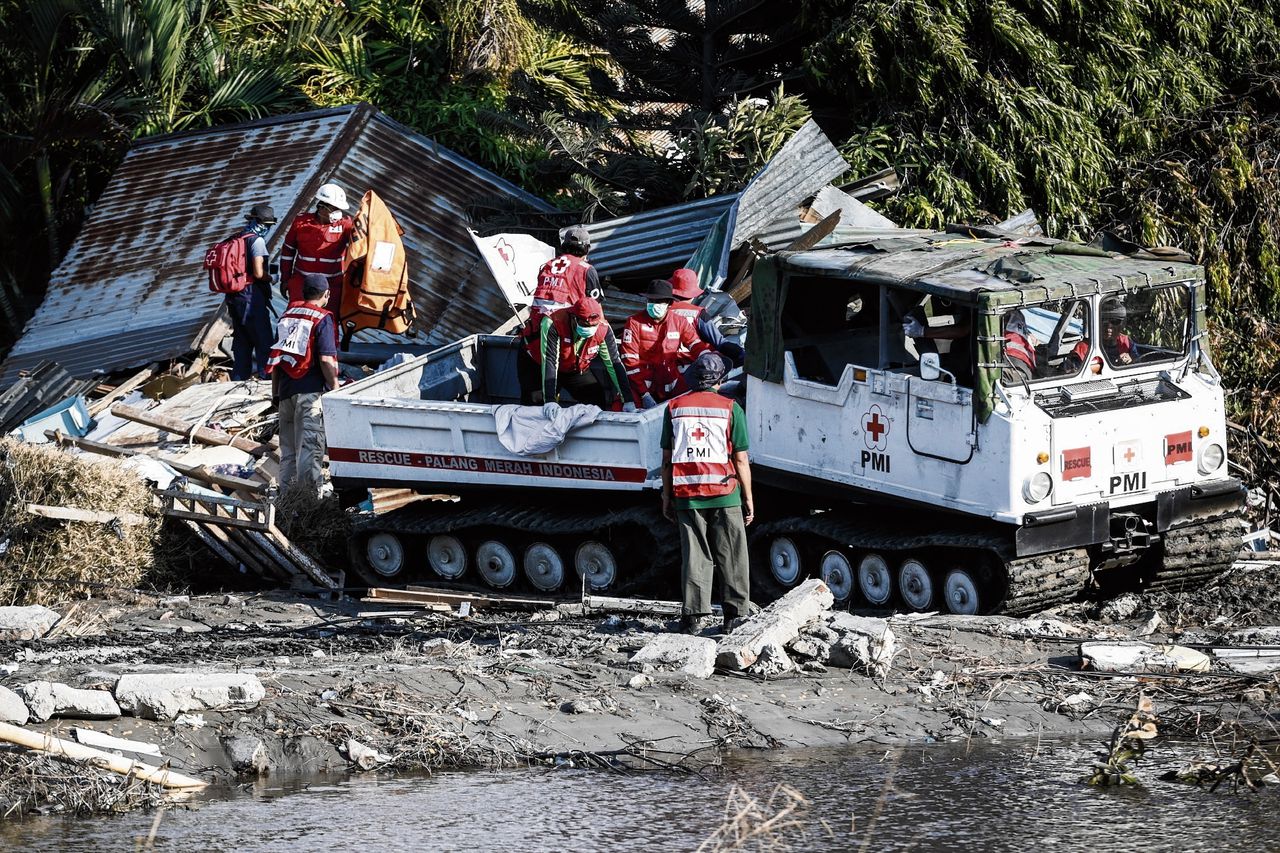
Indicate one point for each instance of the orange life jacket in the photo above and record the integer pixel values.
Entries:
(375, 292)
(702, 445)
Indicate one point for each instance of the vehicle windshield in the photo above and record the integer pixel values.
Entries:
(1145, 327)
(1045, 341)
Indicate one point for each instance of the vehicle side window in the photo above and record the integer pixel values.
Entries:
(931, 324)
(829, 323)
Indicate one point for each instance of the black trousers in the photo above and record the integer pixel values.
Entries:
(585, 387)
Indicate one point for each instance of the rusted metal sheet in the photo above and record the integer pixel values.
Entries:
(652, 244)
(132, 289)
(434, 194)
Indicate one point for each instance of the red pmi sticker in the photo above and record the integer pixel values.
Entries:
(1177, 448)
(1077, 464)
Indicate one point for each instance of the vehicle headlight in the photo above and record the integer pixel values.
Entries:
(1210, 458)
(1037, 487)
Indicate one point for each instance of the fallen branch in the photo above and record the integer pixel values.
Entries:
(60, 748)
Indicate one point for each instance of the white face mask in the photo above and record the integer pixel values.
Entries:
(335, 215)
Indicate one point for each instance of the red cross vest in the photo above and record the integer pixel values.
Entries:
(572, 359)
(562, 282)
(314, 246)
(1018, 347)
(702, 445)
(294, 348)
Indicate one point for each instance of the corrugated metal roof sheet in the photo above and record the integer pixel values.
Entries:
(132, 288)
(654, 243)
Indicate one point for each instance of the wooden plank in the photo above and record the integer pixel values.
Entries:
(194, 472)
(426, 593)
(100, 405)
(222, 510)
(204, 435)
(317, 572)
(89, 737)
(71, 513)
(433, 606)
(637, 605)
(213, 544)
(63, 440)
(60, 748)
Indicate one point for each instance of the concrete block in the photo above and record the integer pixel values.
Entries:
(164, 696)
(772, 660)
(46, 699)
(248, 754)
(864, 644)
(681, 652)
(12, 708)
(1143, 657)
(26, 623)
(779, 624)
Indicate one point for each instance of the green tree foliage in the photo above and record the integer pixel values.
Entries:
(989, 105)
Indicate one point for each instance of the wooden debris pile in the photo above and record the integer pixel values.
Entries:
(211, 470)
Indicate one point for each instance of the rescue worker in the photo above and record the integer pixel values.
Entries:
(571, 341)
(304, 364)
(567, 277)
(249, 309)
(316, 243)
(1019, 348)
(956, 360)
(1117, 346)
(706, 490)
(685, 288)
(655, 344)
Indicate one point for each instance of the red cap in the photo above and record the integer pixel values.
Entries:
(684, 284)
(587, 312)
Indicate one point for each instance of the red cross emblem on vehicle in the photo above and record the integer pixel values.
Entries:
(875, 426)
(698, 433)
(1128, 454)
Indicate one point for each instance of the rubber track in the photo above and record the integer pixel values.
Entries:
(428, 520)
(1033, 583)
(1197, 553)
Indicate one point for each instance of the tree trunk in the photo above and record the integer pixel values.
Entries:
(45, 181)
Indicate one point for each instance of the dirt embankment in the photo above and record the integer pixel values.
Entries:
(353, 685)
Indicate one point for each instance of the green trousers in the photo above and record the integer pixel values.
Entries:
(714, 539)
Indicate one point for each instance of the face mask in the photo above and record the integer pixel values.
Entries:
(259, 228)
(335, 215)
(657, 310)
(585, 331)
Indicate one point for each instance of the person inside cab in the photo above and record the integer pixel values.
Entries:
(1019, 350)
(956, 360)
(1117, 346)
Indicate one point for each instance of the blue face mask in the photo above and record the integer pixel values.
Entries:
(259, 228)
(584, 331)
(656, 310)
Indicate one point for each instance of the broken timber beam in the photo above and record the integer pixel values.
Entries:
(194, 472)
(204, 435)
(71, 513)
(140, 378)
(427, 595)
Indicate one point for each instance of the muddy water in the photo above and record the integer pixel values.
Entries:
(1015, 796)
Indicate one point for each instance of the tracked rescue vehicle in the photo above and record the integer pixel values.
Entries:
(962, 421)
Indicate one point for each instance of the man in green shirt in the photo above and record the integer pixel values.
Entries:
(706, 490)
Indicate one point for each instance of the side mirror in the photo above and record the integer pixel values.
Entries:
(930, 367)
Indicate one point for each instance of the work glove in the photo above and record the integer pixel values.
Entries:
(913, 328)
(550, 411)
(630, 407)
(647, 401)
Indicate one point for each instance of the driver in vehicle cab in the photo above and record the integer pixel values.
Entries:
(1117, 346)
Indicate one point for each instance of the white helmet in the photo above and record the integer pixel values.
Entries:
(332, 195)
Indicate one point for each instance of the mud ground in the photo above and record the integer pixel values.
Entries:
(425, 689)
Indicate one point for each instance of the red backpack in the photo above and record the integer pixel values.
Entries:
(226, 263)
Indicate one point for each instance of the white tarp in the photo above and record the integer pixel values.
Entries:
(524, 429)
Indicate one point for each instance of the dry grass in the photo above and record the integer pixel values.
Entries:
(749, 824)
(31, 782)
(318, 526)
(45, 560)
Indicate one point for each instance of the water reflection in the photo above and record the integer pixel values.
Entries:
(1015, 796)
